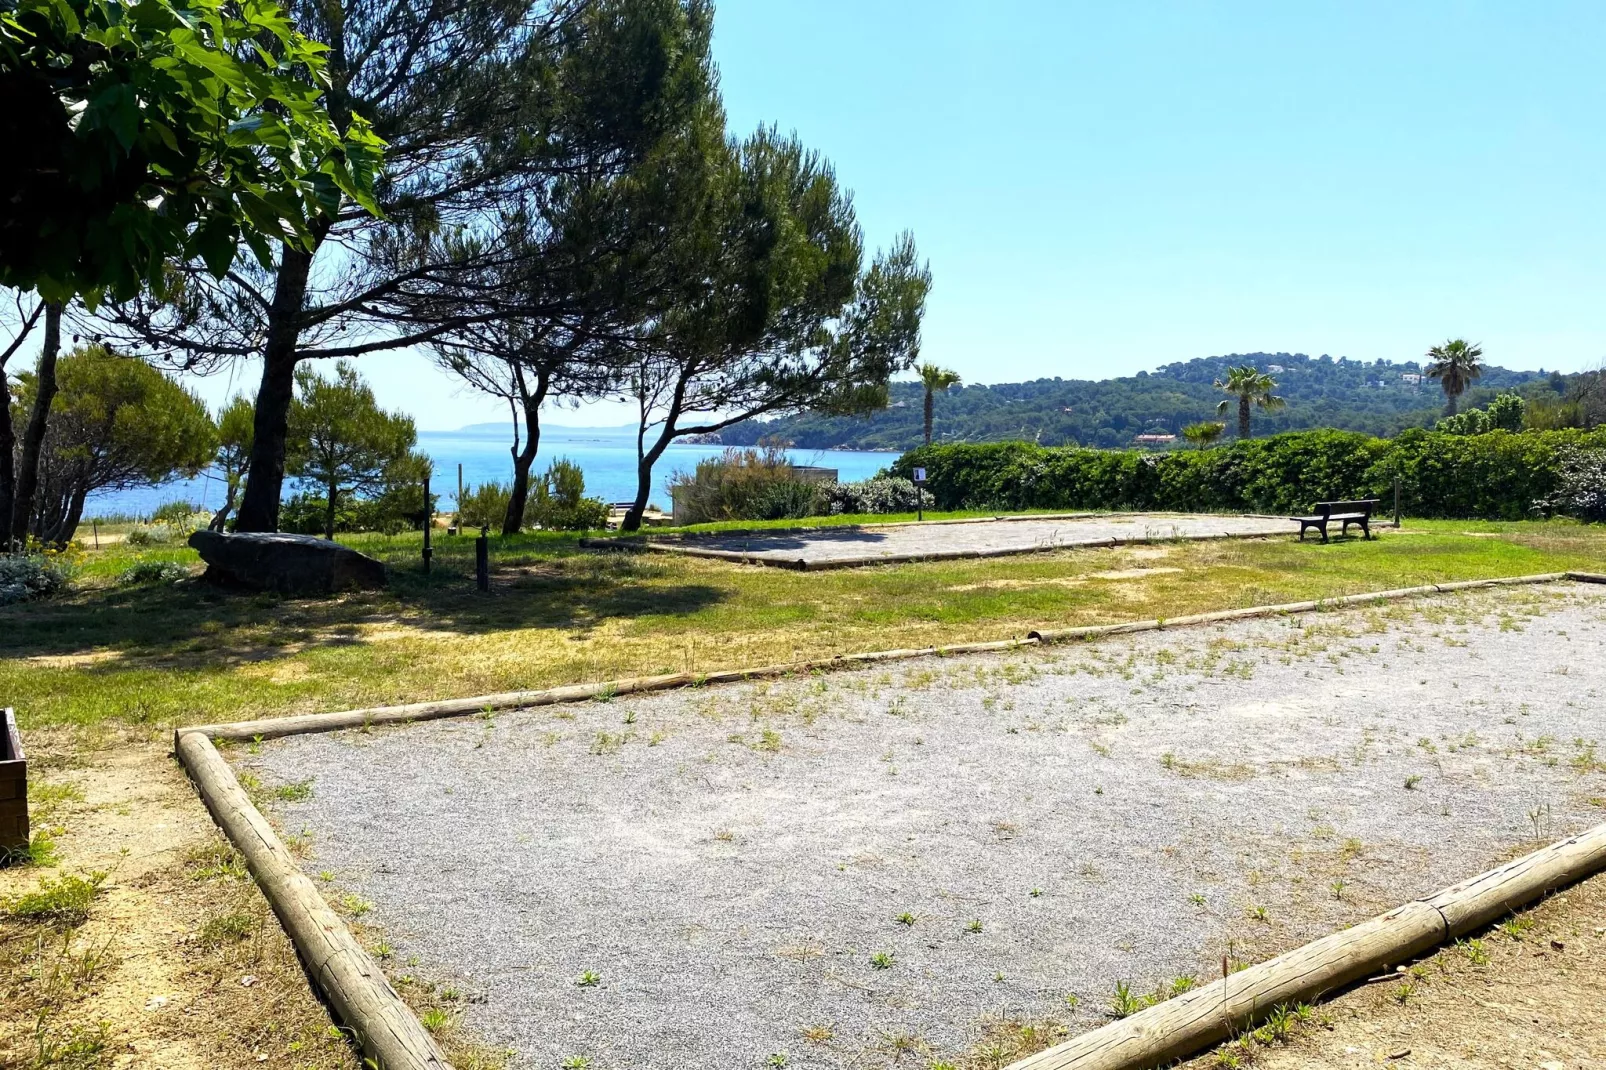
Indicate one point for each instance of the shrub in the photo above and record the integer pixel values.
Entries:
(880, 495)
(745, 485)
(153, 572)
(1581, 490)
(156, 536)
(179, 514)
(484, 506)
(1497, 475)
(30, 576)
(558, 501)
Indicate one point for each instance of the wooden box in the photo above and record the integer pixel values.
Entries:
(13, 787)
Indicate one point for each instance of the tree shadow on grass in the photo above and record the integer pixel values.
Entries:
(193, 623)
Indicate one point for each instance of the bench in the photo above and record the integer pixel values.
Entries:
(1344, 513)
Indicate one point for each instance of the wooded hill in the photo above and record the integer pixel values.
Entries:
(1321, 392)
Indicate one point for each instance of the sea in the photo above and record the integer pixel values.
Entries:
(607, 456)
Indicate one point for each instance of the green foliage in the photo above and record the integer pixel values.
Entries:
(559, 502)
(1321, 392)
(152, 571)
(1249, 387)
(1204, 433)
(745, 485)
(1456, 364)
(1498, 475)
(483, 506)
(60, 900)
(153, 131)
(343, 443)
(1507, 412)
(176, 513)
(115, 423)
(26, 577)
(1581, 487)
(880, 495)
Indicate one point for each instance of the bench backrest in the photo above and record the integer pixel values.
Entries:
(1329, 508)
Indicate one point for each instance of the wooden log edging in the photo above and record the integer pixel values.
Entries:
(387, 1031)
(1206, 1016)
(276, 727)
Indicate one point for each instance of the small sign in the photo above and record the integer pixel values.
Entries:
(920, 475)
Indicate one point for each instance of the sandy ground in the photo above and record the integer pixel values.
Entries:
(865, 869)
(867, 546)
(180, 965)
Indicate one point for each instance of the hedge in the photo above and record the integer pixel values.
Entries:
(1499, 475)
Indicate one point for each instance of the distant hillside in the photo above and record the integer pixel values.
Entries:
(1321, 392)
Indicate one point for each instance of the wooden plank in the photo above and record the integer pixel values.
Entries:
(357, 991)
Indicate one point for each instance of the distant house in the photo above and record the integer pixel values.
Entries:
(1275, 369)
(1154, 439)
(1411, 377)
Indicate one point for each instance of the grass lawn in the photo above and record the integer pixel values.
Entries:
(165, 653)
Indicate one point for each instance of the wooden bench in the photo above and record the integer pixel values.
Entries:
(1345, 513)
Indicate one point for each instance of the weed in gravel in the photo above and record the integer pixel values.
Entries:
(1403, 993)
(577, 1062)
(1337, 888)
(1475, 952)
(1516, 927)
(1125, 1002)
(817, 1034)
(434, 1019)
(587, 979)
(905, 918)
(72, 1048)
(1412, 781)
(974, 926)
(881, 960)
(294, 792)
(779, 1059)
(1197, 899)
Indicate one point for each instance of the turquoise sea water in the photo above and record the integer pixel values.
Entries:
(607, 455)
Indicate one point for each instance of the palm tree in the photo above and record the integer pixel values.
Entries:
(1252, 387)
(1204, 433)
(934, 379)
(1455, 365)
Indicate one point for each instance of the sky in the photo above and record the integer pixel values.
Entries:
(1104, 188)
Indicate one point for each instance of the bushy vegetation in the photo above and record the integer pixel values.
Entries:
(745, 485)
(559, 501)
(28, 576)
(1581, 488)
(1496, 475)
(879, 496)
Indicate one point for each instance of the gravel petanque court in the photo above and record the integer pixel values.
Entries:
(889, 867)
(849, 547)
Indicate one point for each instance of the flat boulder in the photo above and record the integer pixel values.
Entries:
(289, 564)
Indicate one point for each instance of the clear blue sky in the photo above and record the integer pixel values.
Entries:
(1102, 188)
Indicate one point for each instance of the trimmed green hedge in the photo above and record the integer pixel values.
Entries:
(1499, 475)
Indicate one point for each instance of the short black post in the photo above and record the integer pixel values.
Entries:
(1396, 499)
(429, 522)
(482, 559)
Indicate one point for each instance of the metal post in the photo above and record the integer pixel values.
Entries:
(457, 514)
(94, 526)
(1396, 498)
(429, 522)
(482, 559)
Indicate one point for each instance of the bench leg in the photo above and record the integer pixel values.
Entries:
(1324, 533)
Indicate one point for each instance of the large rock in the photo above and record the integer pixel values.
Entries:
(289, 564)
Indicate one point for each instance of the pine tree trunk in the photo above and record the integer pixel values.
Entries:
(638, 508)
(259, 508)
(329, 512)
(524, 459)
(26, 479)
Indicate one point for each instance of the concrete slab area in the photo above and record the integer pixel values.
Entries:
(871, 869)
(885, 544)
